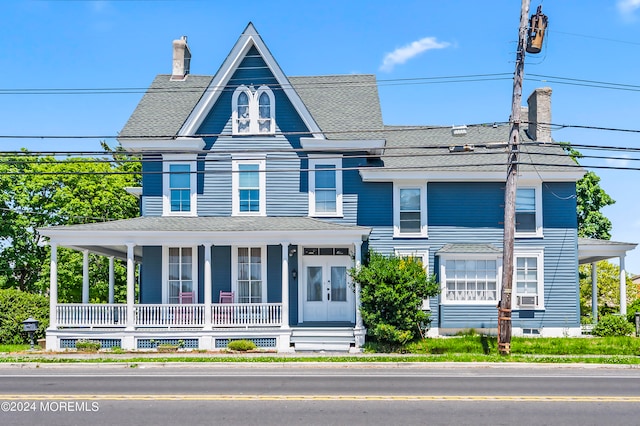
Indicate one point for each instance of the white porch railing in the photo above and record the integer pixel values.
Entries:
(91, 315)
(169, 315)
(164, 315)
(246, 314)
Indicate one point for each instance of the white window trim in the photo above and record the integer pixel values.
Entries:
(537, 187)
(263, 269)
(235, 185)
(397, 186)
(423, 254)
(528, 252)
(168, 161)
(165, 271)
(461, 256)
(337, 163)
(254, 110)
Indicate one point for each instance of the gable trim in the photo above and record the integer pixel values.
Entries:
(249, 38)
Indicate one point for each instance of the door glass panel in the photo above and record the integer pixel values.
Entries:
(338, 284)
(314, 284)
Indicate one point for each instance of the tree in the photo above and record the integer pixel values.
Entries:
(37, 192)
(608, 276)
(591, 198)
(392, 291)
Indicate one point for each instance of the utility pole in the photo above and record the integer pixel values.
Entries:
(504, 307)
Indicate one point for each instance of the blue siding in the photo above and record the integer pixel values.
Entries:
(284, 197)
(151, 275)
(215, 199)
(465, 204)
(274, 274)
(559, 205)
(151, 204)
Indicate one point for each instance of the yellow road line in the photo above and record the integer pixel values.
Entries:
(457, 398)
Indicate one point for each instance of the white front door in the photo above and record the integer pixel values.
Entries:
(327, 295)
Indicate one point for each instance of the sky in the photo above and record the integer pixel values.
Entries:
(79, 68)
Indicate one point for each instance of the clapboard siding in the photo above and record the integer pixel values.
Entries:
(215, 199)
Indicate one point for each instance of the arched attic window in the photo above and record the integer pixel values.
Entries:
(253, 110)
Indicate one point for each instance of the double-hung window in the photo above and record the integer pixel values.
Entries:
(179, 183)
(180, 275)
(409, 215)
(529, 211)
(248, 185)
(325, 187)
(250, 273)
(470, 279)
(253, 110)
(528, 279)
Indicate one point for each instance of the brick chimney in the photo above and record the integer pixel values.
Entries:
(540, 114)
(181, 59)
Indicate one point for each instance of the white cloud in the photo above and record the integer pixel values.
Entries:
(403, 54)
(619, 162)
(628, 7)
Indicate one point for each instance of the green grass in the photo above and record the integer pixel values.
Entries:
(469, 348)
(15, 348)
(628, 346)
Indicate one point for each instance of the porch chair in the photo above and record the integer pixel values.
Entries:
(186, 297)
(224, 313)
(185, 314)
(226, 297)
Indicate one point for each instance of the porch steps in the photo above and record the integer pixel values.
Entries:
(339, 339)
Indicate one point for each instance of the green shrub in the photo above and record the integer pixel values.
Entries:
(613, 325)
(392, 291)
(88, 345)
(632, 309)
(241, 345)
(15, 307)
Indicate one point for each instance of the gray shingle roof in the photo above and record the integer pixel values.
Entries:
(428, 148)
(344, 106)
(469, 248)
(165, 106)
(211, 224)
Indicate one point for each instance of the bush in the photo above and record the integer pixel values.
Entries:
(631, 311)
(88, 345)
(392, 291)
(241, 345)
(613, 325)
(15, 307)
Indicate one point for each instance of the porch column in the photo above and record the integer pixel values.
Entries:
(85, 276)
(111, 280)
(130, 286)
(594, 291)
(207, 286)
(53, 288)
(358, 257)
(285, 285)
(359, 330)
(623, 287)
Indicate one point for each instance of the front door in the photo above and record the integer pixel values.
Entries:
(327, 294)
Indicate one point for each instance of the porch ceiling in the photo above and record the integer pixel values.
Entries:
(592, 250)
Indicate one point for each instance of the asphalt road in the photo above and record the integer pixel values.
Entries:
(327, 394)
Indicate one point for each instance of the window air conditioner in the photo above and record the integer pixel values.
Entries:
(527, 301)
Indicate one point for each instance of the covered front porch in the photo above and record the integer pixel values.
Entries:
(591, 250)
(271, 316)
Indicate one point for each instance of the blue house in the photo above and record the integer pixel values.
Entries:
(261, 190)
